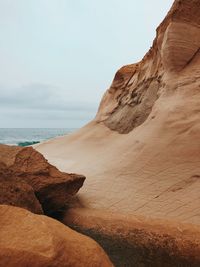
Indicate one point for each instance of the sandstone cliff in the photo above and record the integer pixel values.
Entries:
(166, 67)
(141, 154)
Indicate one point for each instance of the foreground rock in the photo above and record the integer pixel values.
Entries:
(33, 240)
(138, 241)
(16, 192)
(52, 188)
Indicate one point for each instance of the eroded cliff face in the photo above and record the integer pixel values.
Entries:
(141, 154)
(171, 60)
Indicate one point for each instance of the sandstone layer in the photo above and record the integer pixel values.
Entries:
(25, 174)
(138, 241)
(27, 239)
(16, 192)
(141, 153)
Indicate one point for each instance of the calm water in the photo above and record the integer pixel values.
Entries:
(27, 136)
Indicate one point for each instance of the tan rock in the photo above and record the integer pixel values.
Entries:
(33, 240)
(141, 153)
(16, 192)
(52, 187)
(139, 241)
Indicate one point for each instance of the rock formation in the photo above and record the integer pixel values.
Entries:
(16, 192)
(135, 88)
(138, 241)
(141, 154)
(26, 174)
(27, 239)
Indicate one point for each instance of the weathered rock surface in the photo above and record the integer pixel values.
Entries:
(33, 240)
(135, 88)
(52, 187)
(138, 241)
(141, 154)
(16, 192)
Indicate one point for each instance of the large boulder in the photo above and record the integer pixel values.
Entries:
(16, 192)
(33, 240)
(52, 187)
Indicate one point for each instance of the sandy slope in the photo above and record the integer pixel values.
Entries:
(141, 154)
(152, 170)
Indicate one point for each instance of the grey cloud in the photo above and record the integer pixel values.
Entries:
(47, 114)
(42, 105)
(41, 97)
(44, 118)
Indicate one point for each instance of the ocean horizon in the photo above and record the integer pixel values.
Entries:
(30, 136)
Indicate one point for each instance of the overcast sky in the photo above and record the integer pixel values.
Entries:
(57, 57)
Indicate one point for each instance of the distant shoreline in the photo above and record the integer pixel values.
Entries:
(30, 136)
(28, 143)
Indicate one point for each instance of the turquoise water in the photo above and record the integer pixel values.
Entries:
(29, 136)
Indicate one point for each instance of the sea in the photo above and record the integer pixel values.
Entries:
(30, 136)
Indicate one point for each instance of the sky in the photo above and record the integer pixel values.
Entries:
(58, 57)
